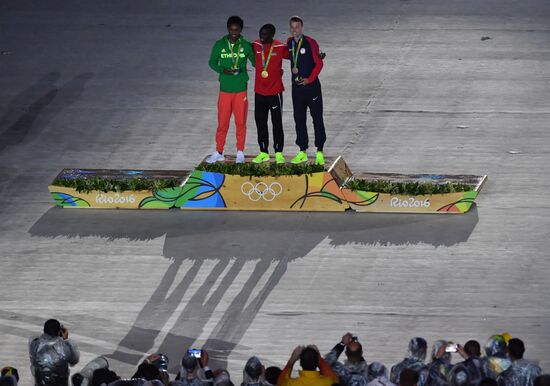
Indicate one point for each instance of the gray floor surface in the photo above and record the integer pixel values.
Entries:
(409, 86)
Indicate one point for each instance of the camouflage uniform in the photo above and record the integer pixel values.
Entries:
(520, 373)
(50, 358)
(378, 375)
(496, 360)
(414, 361)
(349, 373)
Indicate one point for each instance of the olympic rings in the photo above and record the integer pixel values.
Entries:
(261, 191)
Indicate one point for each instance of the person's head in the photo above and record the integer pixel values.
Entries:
(296, 26)
(103, 376)
(376, 370)
(9, 371)
(487, 382)
(418, 348)
(473, 349)
(9, 376)
(272, 374)
(52, 327)
(439, 345)
(496, 347)
(542, 380)
(459, 376)
(516, 348)
(222, 378)
(267, 33)
(408, 377)
(309, 359)
(354, 351)
(148, 372)
(77, 379)
(189, 363)
(252, 370)
(234, 27)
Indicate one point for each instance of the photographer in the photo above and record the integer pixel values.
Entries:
(354, 370)
(194, 371)
(414, 360)
(310, 360)
(51, 354)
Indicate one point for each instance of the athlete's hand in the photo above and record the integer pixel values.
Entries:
(322, 55)
(228, 71)
(303, 82)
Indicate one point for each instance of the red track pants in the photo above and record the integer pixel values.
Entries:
(235, 103)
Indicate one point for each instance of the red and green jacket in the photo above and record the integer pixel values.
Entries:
(220, 58)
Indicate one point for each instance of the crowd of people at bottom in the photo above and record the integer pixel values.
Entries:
(53, 353)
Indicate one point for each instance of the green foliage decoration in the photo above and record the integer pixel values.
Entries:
(261, 170)
(407, 188)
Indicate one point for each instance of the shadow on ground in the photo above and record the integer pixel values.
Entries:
(232, 239)
(30, 112)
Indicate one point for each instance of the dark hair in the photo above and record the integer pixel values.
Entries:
(542, 380)
(52, 327)
(296, 19)
(309, 359)
(101, 376)
(77, 379)
(272, 374)
(269, 27)
(147, 371)
(408, 377)
(235, 20)
(488, 382)
(355, 354)
(472, 348)
(516, 348)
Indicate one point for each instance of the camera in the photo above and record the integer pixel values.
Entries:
(453, 347)
(197, 353)
(354, 338)
(161, 362)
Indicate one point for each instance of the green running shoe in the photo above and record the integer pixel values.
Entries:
(262, 157)
(279, 158)
(320, 159)
(300, 157)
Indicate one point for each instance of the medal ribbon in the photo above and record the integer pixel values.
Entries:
(264, 62)
(235, 60)
(295, 54)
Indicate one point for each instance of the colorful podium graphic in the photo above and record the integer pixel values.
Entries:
(229, 186)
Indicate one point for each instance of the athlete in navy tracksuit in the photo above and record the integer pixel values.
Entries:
(306, 65)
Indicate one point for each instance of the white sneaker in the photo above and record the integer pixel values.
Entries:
(215, 157)
(240, 157)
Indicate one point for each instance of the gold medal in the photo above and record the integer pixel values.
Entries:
(295, 71)
(265, 74)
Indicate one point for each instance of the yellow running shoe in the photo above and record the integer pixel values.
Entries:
(262, 157)
(279, 158)
(300, 157)
(320, 159)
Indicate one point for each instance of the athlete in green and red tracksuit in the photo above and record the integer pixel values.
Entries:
(228, 58)
(268, 89)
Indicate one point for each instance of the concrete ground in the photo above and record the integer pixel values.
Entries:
(409, 86)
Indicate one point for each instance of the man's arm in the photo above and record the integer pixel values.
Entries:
(326, 370)
(316, 59)
(203, 362)
(72, 353)
(287, 371)
(214, 61)
(251, 55)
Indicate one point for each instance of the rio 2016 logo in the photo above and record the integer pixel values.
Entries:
(261, 191)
